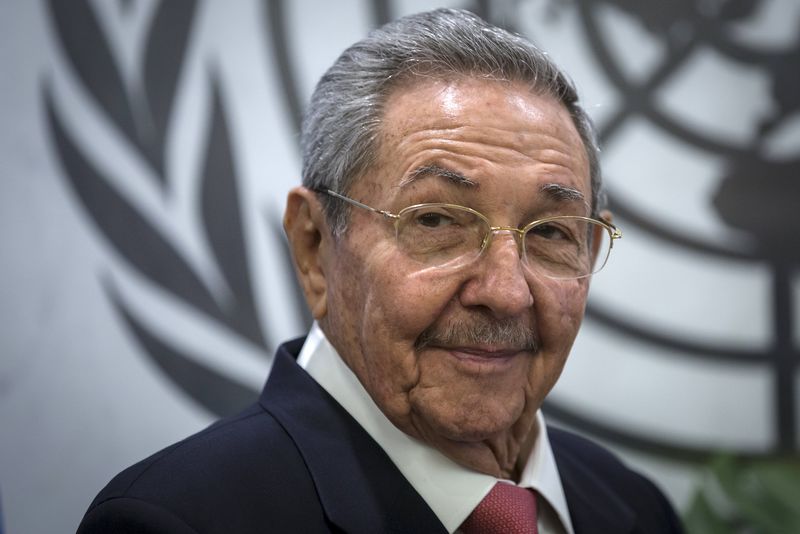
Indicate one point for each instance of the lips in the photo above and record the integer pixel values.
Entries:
(482, 360)
(489, 353)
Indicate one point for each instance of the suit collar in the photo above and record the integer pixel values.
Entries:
(358, 486)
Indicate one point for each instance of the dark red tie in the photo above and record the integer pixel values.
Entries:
(507, 509)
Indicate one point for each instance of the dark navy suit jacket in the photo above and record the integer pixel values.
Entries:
(297, 462)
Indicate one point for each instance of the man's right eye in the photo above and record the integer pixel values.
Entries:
(433, 219)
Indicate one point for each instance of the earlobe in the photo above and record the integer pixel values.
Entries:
(307, 232)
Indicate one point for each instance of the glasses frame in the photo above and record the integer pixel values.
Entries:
(519, 233)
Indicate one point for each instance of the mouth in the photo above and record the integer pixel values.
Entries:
(483, 360)
(485, 351)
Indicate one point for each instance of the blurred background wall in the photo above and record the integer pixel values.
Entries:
(147, 148)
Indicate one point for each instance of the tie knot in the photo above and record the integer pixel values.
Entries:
(507, 509)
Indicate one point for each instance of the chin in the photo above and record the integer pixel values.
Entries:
(441, 414)
(472, 427)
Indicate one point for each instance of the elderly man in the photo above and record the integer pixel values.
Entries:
(445, 236)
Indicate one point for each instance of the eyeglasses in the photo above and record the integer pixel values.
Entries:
(448, 236)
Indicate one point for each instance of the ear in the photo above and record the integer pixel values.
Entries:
(605, 216)
(307, 230)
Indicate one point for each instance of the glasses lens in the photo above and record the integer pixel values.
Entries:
(562, 247)
(439, 234)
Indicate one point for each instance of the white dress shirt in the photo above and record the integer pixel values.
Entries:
(451, 490)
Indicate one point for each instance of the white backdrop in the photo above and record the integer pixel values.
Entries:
(143, 289)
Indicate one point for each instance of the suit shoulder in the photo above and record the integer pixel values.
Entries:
(246, 463)
(210, 447)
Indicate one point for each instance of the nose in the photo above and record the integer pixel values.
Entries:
(498, 281)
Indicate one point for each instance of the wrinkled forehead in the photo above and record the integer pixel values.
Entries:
(446, 125)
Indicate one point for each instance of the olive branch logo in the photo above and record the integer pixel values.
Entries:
(141, 118)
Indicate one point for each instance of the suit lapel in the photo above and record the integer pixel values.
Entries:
(358, 486)
(593, 506)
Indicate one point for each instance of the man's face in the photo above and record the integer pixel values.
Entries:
(471, 396)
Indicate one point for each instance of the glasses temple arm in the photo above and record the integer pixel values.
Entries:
(357, 203)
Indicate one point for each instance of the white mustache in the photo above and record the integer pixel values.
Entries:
(510, 333)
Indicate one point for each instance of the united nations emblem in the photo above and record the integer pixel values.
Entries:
(696, 104)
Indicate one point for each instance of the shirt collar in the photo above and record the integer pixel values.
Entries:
(451, 490)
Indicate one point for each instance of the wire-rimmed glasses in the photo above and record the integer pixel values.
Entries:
(448, 236)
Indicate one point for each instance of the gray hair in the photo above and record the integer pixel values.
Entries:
(340, 132)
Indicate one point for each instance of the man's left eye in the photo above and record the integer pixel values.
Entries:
(549, 231)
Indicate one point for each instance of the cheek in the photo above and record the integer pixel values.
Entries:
(402, 300)
(559, 316)
(398, 307)
(395, 305)
(560, 313)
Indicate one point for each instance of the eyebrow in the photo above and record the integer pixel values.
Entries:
(442, 172)
(557, 192)
(562, 193)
